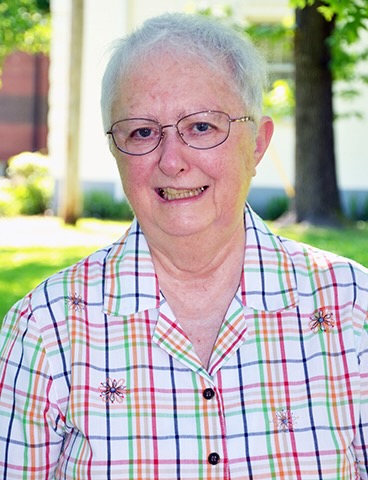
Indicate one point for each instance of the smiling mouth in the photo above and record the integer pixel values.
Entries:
(173, 194)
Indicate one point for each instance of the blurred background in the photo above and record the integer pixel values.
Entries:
(52, 60)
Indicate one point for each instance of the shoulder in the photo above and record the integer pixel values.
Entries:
(87, 271)
(306, 260)
(54, 293)
(324, 271)
(316, 259)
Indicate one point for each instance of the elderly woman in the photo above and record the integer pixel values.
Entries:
(200, 345)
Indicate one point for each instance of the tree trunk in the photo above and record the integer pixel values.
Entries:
(317, 197)
(71, 200)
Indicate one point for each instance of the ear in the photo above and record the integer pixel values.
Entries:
(264, 135)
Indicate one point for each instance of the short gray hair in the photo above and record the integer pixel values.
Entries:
(221, 47)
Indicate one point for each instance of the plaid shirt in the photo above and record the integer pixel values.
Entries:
(98, 380)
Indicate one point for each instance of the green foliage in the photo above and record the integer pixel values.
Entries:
(220, 11)
(276, 207)
(25, 26)
(100, 204)
(350, 17)
(28, 189)
(9, 205)
(276, 34)
(358, 210)
(280, 100)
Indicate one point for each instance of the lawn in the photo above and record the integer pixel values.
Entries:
(351, 242)
(21, 270)
(23, 267)
(31, 249)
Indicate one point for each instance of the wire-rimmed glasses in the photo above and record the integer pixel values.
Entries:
(200, 130)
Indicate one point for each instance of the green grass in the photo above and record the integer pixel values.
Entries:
(350, 242)
(22, 268)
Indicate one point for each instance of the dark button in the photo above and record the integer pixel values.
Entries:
(213, 458)
(208, 393)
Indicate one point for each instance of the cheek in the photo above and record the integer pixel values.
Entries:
(135, 179)
(239, 165)
(240, 168)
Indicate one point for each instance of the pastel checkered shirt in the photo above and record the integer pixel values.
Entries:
(99, 381)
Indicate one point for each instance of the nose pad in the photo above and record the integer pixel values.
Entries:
(171, 160)
(176, 134)
(180, 135)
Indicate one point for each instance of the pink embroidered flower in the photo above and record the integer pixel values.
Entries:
(321, 321)
(112, 390)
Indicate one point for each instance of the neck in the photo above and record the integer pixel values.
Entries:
(199, 257)
(199, 277)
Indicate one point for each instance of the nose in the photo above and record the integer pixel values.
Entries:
(172, 152)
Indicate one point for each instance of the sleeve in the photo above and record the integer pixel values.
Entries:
(31, 422)
(361, 439)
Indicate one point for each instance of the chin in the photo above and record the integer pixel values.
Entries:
(184, 227)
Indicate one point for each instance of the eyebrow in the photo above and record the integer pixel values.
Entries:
(179, 116)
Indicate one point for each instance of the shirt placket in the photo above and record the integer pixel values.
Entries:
(170, 337)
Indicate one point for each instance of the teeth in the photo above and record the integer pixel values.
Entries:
(173, 194)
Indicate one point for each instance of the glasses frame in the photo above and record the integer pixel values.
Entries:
(244, 119)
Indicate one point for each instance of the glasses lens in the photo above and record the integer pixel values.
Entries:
(204, 129)
(136, 136)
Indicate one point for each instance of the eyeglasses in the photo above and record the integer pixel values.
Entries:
(201, 130)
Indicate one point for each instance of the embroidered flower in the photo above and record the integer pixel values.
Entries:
(112, 390)
(75, 302)
(285, 420)
(356, 470)
(321, 321)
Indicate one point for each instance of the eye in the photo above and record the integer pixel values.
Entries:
(143, 133)
(201, 127)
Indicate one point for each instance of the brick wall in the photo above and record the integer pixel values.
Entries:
(23, 104)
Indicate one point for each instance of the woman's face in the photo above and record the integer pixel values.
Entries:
(177, 190)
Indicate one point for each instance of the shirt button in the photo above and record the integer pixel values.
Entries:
(213, 458)
(208, 393)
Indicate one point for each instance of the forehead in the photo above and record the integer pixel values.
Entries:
(170, 85)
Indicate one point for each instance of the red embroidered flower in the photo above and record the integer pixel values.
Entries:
(112, 390)
(356, 470)
(75, 302)
(285, 420)
(321, 321)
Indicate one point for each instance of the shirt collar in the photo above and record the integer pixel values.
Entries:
(268, 281)
(131, 284)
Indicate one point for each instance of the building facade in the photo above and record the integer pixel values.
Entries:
(103, 23)
(23, 105)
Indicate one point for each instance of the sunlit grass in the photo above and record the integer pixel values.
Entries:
(350, 242)
(22, 267)
(23, 270)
